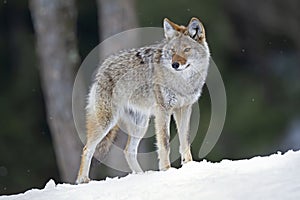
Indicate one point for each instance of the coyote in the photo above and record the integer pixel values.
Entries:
(159, 80)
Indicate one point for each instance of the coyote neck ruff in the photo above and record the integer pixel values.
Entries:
(159, 80)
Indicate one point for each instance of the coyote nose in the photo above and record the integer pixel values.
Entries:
(175, 65)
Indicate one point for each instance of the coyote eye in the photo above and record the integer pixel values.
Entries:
(187, 49)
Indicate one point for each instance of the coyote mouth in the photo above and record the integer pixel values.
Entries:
(182, 68)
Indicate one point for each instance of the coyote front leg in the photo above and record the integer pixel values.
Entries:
(182, 117)
(162, 126)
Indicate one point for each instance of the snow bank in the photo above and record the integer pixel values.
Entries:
(273, 177)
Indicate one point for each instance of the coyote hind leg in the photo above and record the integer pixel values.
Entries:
(131, 150)
(97, 128)
(136, 124)
(86, 158)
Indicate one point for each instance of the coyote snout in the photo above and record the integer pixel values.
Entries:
(159, 80)
(178, 60)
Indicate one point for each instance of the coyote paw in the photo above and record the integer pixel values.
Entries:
(187, 157)
(184, 161)
(81, 180)
(165, 168)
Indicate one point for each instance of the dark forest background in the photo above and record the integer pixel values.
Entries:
(255, 44)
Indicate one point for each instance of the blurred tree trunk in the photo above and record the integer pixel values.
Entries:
(115, 16)
(55, 24)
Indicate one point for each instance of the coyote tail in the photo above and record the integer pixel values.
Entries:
(104, 146)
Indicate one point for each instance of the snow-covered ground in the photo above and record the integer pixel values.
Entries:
(273, 177)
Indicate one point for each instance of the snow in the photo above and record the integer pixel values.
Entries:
(272, 177)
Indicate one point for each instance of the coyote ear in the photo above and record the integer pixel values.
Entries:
(169, 30)
(195, 29)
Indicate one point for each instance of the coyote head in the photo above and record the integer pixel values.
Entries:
(186, 46)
